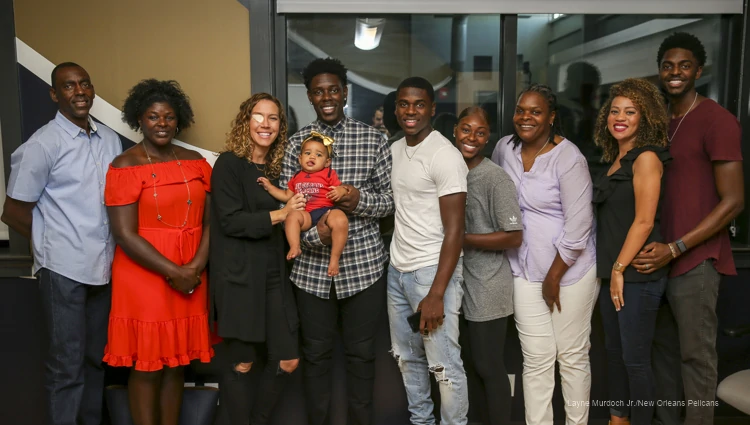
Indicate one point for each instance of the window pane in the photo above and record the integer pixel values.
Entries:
(582, 56)
(458, 54)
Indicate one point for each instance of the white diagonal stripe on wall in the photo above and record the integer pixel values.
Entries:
(101, 109)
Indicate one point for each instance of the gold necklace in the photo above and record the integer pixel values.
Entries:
(156, 198)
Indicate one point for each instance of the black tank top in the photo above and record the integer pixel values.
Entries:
(614, 201)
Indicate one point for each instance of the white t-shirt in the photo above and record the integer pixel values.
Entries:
(422, 174)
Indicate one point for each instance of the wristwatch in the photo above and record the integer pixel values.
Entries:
(618, 267)
(681, 246)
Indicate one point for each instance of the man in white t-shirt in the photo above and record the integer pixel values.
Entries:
(425, 274)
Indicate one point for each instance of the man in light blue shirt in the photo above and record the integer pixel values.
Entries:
(55, 197)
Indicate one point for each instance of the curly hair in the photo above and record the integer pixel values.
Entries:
(324, 66)
(242, 144)
(653, 125)
(147, 92)
(683, 40)
(547, 93)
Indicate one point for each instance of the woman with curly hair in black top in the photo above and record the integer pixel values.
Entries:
(631, 129)
(251, 296)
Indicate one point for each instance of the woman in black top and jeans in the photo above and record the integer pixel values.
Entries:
(632, 131)
(251, 299)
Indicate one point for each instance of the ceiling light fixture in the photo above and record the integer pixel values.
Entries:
(368, 32)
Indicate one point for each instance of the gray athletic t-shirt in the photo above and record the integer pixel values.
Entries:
(491, 206)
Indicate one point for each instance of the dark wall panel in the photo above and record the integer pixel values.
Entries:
(22, 395)
(22, 399)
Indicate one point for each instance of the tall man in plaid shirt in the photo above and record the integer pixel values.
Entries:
(362, 159)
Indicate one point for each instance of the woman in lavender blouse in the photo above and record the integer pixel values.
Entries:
(554, 285)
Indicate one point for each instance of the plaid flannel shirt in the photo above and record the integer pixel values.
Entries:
(362, 158)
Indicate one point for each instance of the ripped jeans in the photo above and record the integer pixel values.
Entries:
(438, 353)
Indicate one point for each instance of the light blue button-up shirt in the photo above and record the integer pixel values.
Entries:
(62, 169)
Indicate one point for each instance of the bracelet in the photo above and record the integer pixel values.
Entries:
(618, 267)
(673, 249)
(680, 245)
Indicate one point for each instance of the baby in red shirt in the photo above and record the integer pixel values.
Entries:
(321, 187)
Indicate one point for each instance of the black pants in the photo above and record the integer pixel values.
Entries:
(628, 338)
(487, 340)
(76, 316)
(237, 389)
(358, 316)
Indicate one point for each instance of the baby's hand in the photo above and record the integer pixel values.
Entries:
(336, 193)
(264, 182)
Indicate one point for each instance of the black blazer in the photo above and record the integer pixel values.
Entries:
(242, 243)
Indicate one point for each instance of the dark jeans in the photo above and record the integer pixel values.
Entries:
(261, 387)
(76, 316)
(685, 345)
(487, 340)
(359, 317)
(628, 336)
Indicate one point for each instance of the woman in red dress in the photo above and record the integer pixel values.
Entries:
(157, 196)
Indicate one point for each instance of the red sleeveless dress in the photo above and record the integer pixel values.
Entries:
(152, 325)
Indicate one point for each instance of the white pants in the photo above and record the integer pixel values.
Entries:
(562, 336)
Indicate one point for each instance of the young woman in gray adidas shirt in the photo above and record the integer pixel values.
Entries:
(493, 224)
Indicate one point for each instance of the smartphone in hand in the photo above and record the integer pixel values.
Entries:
(414, 320)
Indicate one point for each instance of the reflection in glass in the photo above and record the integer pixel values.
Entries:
(458, 54)
(582, 56)
(368, 32)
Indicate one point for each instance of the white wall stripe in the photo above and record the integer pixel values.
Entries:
(101, 109)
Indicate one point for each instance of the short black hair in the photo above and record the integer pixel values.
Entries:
(418, 83)
(324, 66)
(148, 92)
(61, 66)
(683, 40)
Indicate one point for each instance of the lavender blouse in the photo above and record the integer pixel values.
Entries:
(556, 211)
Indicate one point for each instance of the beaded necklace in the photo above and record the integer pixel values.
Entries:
(156, 199)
